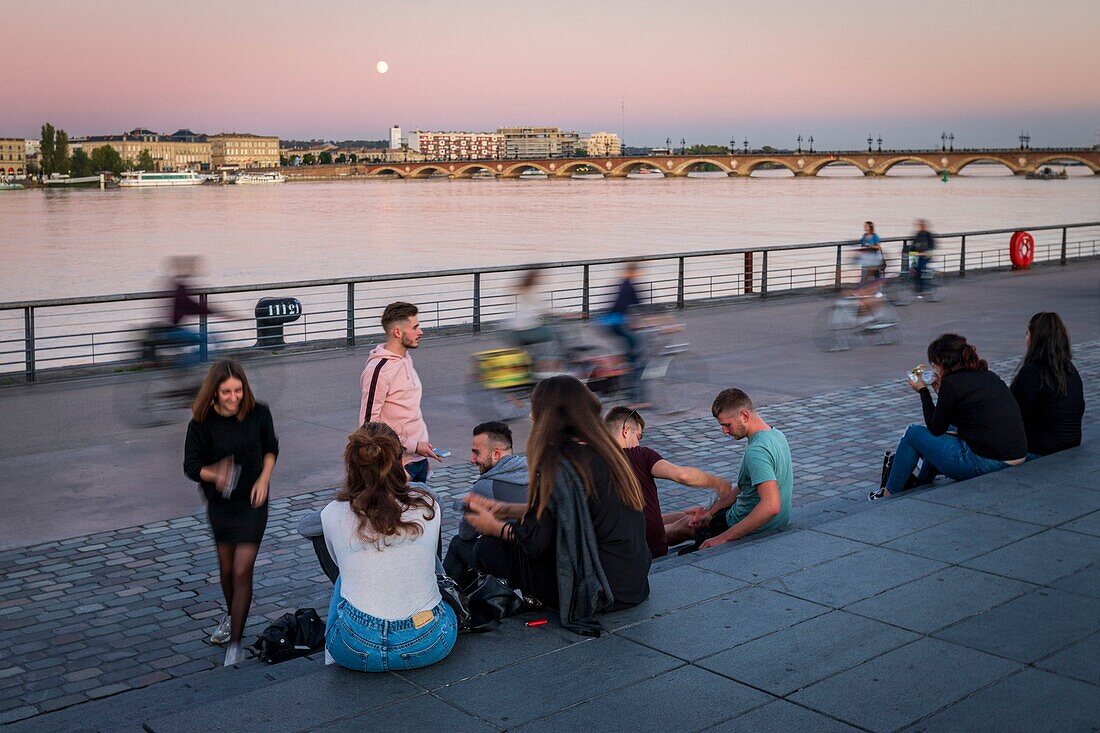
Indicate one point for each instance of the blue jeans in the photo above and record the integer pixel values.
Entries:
(917, 273)
(946, 454)
(365, 643)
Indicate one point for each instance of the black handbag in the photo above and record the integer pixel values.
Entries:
(456, 599)
(491, 601)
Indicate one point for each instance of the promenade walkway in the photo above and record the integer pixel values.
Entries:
(975, 604)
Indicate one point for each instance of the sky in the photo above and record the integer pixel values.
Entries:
(699, 70)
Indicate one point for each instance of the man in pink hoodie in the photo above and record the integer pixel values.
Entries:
(391, 388)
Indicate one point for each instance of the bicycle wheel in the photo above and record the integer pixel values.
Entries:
(900, 290)
(933, 287)
(833, 328)
(677, 383)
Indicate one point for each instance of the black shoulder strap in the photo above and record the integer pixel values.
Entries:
(370, 393)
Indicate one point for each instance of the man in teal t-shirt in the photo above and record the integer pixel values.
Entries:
(762, 499)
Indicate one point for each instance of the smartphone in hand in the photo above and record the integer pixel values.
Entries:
(443, 453)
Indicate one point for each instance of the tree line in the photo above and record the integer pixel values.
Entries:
(55, 157)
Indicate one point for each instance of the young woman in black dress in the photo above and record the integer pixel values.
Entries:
(230, 451)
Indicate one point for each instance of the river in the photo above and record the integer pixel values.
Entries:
(88, 242)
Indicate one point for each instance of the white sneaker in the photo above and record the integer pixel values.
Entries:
(223, 632)
(232, 655)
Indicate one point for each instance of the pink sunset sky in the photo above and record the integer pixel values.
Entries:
(697, 69)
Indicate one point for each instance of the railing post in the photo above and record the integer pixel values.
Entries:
(680, 285)
(28, 340)
(1063, 245)
(836, 279)
(585, 303)
(904, 256)
(962, 257)
(477, 302)
(748, 289)
(764, 278)
(351, 315)
(204, 330)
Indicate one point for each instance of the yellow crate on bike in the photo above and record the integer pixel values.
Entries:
(503, 368)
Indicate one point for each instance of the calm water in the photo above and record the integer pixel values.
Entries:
(89, 242)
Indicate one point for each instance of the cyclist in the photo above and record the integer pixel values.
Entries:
(871, 263)
(621, 321)
(920, 254)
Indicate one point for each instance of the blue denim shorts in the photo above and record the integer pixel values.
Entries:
(362, 642)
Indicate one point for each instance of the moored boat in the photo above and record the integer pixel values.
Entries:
(145, 179)
(249, 179)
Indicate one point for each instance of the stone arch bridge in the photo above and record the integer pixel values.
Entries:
(876, 163)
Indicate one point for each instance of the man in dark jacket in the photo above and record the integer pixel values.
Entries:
(503, 477)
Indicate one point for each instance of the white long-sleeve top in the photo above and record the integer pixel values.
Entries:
(392, 581)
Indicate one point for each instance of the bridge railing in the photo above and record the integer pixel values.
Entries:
(43, 336)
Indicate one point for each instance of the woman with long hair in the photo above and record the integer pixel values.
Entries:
(230, 451)
(1048, 388)
(386, 611)
(989, 432)
(579, 480)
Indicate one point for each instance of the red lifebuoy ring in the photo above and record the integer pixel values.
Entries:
(1021, 250)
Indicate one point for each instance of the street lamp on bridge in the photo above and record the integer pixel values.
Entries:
(870, 141)
(880, 142)
(668, 145)
(733, 145)
(683, 146)
(746, 145)
(800, 144)
(811, 143)
(1027, 140)
(943, 142)
(951, 142)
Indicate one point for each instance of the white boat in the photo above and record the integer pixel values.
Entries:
(143, 179)
(646, 173)
(532, 174)
(249, 179)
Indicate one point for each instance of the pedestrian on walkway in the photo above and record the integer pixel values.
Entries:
(386, 611)
(391, 390)
(230, 451)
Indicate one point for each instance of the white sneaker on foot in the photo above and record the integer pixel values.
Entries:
(232, 655)
(222, 633)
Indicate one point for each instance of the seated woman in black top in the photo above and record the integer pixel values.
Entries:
(1048, 388)
(574, 463)
(977, 403)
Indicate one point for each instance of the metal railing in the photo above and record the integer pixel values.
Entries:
(41, 335)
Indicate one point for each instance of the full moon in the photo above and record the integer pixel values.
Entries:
(383, 67)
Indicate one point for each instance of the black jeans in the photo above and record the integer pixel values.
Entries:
(534, 576)
(459, 562)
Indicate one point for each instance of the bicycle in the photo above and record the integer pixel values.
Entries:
(501, 380)
(840, 325)
(902, 290)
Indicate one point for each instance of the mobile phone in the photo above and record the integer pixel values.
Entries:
(232, 483)
(443, 453)
(914, 377)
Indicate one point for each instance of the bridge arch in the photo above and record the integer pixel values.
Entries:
(572, 168)
(1038, 162)
(388, 170)
(893, 162)
(426, 171)
(514, 170)
(815, 168)
(966, 162)
(627, 167)
(466, 171)
(686, 166)
(758, 163)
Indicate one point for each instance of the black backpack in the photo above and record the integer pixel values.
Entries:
(293, 635)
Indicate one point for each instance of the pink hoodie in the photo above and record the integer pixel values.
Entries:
(397, 393)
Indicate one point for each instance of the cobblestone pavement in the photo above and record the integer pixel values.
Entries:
(93, 616)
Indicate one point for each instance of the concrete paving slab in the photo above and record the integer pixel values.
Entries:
(802, 654)
(670, 590)
(423, 712)
(1032, 701)
(552, 682)
(965, 537)
(1041, 558)
(1086, 581)
(941, 599)
(782, 717)
(1070, 504)
(1081, 660)
(1029, 628)
(479, 654)
(868, 696)
(1088, 524)
(266, 709)
(685, 699)
(852, 578)
(779, 554)
(725, 622)
(877, 526)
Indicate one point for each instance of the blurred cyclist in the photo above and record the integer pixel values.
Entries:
(920, 254)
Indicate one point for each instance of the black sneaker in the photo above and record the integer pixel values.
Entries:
(875, 495)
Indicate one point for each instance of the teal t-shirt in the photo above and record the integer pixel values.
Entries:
(767, 458)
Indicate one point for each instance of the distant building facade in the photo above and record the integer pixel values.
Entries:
(184, 150)
(457, 145)
(13, 156)
(537, 142)
(601, 144)
(395, 137)
(238, 150)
